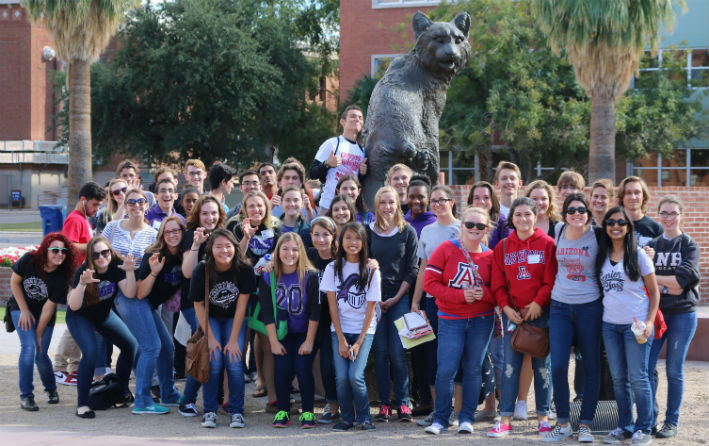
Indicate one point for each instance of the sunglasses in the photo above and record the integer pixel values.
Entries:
(471, 225)
(614, 222)
(134, 201)
(106, 253)
(58, 250)
(580, 210)
(119, 191)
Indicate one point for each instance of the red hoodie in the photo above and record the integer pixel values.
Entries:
(448, 274)
(530, 268)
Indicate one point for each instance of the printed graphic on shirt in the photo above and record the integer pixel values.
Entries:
(223, 294)
(261, 244)
(572, 262)
(174, 276)
(351, 162)
(642, 240)
(466, 277)
(350, 293)
(668, 260)
(521, 256)
(106, 290)
(291, 298)
(35, 289)
(613, 281)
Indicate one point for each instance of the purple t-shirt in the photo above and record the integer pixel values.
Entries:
(420, 221)
(298, 301)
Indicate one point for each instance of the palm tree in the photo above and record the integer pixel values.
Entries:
(81, 29)
(604, 40)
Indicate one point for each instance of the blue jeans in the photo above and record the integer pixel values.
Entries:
(628, 362)
(387, 347)
(293, 363)
(352, 393)
(513, 365)
(114, 331)
(461, 342)
(192, 385)
(580, 322)
(221, 328)
(679, 334)
(154, 345)
(30, 355)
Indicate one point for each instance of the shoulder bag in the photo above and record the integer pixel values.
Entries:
(197, 355)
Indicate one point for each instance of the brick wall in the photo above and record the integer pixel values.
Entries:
(695, 220)
(5, 292)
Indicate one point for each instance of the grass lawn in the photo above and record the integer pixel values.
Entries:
(34, 226)
(61, 314)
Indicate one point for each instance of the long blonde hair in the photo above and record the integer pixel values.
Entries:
(304, 264)
(111, 204)
(399, 221)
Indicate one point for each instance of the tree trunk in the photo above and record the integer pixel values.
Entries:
(601, 155)
(79, 129)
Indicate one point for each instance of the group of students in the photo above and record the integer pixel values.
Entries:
(339, 280)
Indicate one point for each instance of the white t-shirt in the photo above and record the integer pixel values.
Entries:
(352, 157)
(504, 210)
(351, 302)
(624, 299)
(432, 236)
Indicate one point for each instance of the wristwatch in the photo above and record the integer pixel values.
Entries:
(665, 290)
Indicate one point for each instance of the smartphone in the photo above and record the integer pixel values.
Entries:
(351, 355)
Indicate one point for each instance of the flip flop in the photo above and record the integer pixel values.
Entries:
(259, 392)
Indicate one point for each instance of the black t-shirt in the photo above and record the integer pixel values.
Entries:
(224, 289)
(325, 321)
(36, 289)
(646, 229)
(107, 289)
(185, 301)
(168, 281)
(262, 242)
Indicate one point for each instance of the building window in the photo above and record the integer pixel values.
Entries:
(380, 63)
(404, 3)
(696, 66)
(686, 167)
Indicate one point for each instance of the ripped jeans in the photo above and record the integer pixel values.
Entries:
(511, 372)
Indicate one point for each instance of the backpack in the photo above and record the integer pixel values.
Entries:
(106, 393)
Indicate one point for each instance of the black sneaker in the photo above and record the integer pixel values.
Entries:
(155, 392)
(328, 416)
(29, 404)
(366, 426)
(52, 397)
(668, 431)
(187, 409)
(342, 426)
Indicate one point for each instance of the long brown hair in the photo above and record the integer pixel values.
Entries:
(160, 246)
(193, 218)
(91, 292)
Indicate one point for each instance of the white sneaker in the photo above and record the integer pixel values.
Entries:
(520, 410)
(209, 420)
(237, 421)
(585, 435)
(423, 422)
(558, 433)
(453, 419)
(435, 429)
(466, 427)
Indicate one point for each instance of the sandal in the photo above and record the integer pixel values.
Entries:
(259, 392)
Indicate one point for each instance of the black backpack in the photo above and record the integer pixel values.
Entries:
(106, 393)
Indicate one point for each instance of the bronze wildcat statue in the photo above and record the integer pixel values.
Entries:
(406, 104)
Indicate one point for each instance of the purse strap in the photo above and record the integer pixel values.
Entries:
(206, 299)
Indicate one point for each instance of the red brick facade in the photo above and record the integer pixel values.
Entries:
(26, 85)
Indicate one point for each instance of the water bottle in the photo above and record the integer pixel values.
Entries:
(261, 263)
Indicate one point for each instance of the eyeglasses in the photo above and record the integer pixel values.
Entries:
(173, 231)
(669, 214)
(56, 250)
(471, 225)
(117, 192)
(580, 210)
(134, 201)
(613, 222)
(106, 253)
(440, 201)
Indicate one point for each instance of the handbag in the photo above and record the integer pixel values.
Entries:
(197, 348)
(257, 324)
(530, 339)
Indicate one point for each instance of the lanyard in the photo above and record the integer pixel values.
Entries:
(473, 267)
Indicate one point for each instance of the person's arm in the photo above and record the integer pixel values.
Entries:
(418, 288)
(344, 348)
(410, 268)
(313, 292)
(75, 299)
(433, 281)
(190, 258)
(687, 272)
(653, 293)
(26, 317)
(81, 247)
(543, 296)
(48, 310)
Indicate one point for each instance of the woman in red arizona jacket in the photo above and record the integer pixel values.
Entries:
(458, 276)
(523, 274)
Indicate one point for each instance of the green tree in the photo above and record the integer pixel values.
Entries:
(81, 29)
(604, 40)
(215, 80)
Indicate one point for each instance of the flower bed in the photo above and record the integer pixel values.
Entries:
(8, 256)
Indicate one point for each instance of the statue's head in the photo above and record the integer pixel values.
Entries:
(442, 47)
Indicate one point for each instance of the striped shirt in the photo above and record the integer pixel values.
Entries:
(122, 242)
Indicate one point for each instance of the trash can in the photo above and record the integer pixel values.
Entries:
(52, 218)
